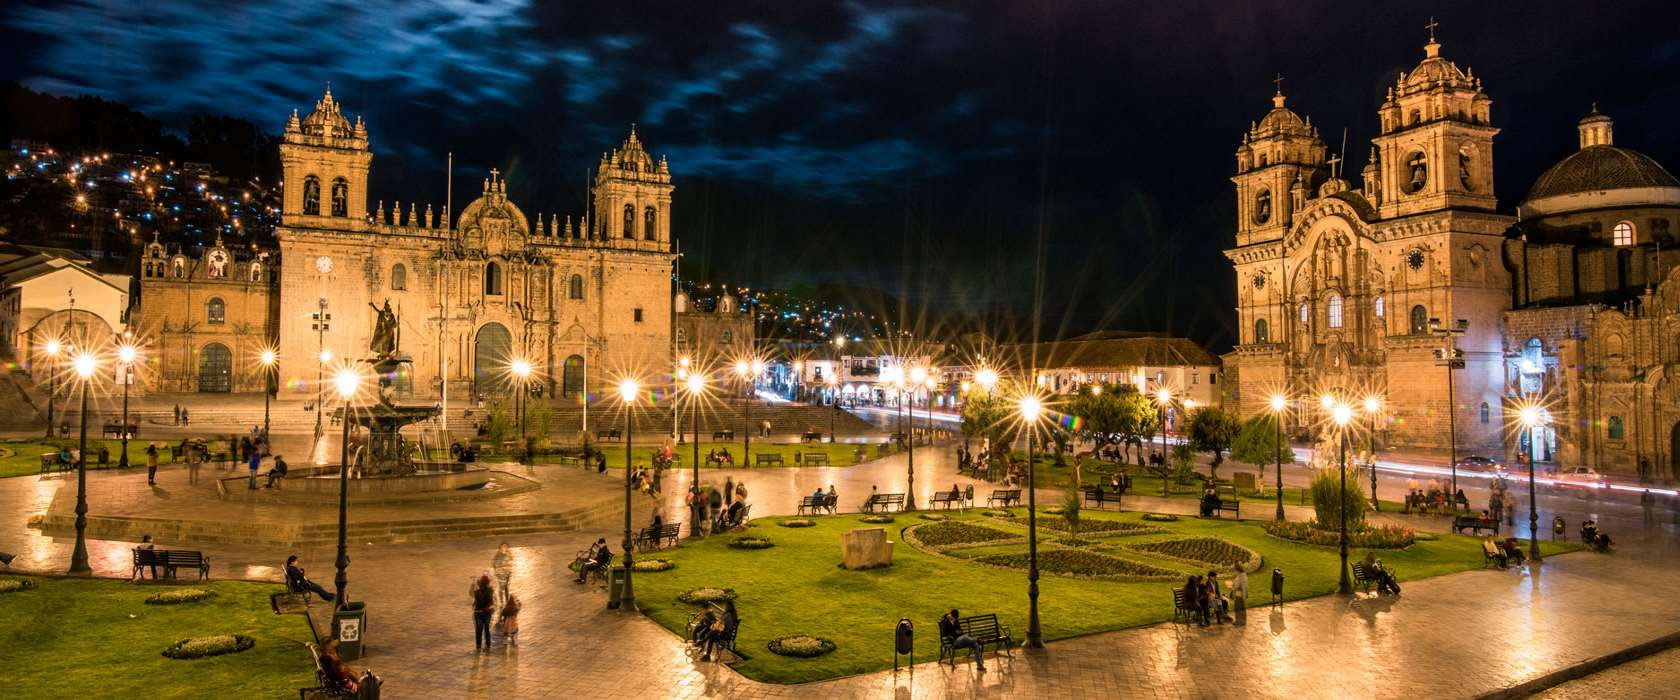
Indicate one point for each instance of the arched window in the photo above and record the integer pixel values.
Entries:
(629, 221)
(571, 383)
(1303, 313)
(1617, 430)
(1420, 320)
(1418, 165)
(650, 221)
(1377, 306)
(1484, 413)
(340, 198)
(493, 279)
(575, 287)
(1622, 234)
(216, 311)
(1335, 311)
(399, 276)
(1532, 355)
(311, 196)
(1260, 335)
(682, 337)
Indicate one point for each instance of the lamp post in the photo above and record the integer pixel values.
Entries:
(126, 354)
(348, 381)
(1372, 405)
(627, 393)
(85, 364)
(1341, 413)
(986, 378)
(1278, 404)
(321, 322)
(1162, 398)
(917, 376)
(696, 384)
(1450, 357)
(798, 366)
(833, 406)
(1030, 409)
(268, 360)
(53, 348)
(1530, 417)
(522, 371)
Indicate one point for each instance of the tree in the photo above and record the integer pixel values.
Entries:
(1070, 507)
(1257, 443)
(1211, 430)
(986, 416)
(1325, 485)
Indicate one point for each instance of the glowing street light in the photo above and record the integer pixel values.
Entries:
(347, 382)
(326, 355)
(270, 360)
(627, 391)
(1341, 413)
(986, 378)
(1278, 403)
(1373, 404)
(1163, 398)
(696, 385)
(833, 382)
(85, 364)
(1031, 409)
(52, 347)
(126, 354)
(521, 369)
(1529, 416)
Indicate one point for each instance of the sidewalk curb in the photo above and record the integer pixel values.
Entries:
(1584, 668)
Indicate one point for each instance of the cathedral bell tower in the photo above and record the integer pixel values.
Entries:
(325, 164)
(1435, 150)
(633, 198)
(1281, 157)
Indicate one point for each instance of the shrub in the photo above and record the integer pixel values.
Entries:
(876, 519)
(1211, 550)
(997, 514)
(1080, 563)
(936, 517)
(13, 585)
(1160, 517)
(1364, 536)
(953, 532)
(1183, 463)
(652, 565)
(751, 542)
(801, 646)
(184, 595)
(705, 595)
(201, 647)
(796, 522)
(1325, 484)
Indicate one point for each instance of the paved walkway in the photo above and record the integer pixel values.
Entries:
(1450, 636)
(1655, 676)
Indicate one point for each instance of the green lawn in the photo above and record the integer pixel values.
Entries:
(797, 588)
(25, 455)
(1147, 483)
(839, 454)
(84, 638)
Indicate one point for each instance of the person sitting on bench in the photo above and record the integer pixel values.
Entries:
(297, 581)
(1513, 551)
(599, 561)
(1492, 551)
(1375, 570)
(1589, 531)
(276, 473)
(1210, 500)
(334, 668)
(1601, 540)
(1196, 598)
(146, 544)
(65, 456)
(951, 629)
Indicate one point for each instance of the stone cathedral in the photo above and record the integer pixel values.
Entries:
(1574, 304)
(583, 301)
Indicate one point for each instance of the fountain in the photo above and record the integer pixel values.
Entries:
(386, 453)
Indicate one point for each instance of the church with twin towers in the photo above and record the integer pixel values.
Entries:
(583, 298)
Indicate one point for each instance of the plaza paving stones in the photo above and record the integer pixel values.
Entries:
(1655, 676)
(1451, 636)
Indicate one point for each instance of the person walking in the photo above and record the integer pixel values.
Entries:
(184, 421)
(502, 565)
(177, 414)
(152, 469)
(1646, 503)
(508, 623)
(1511, 511)
(714, 505)
(483, 605)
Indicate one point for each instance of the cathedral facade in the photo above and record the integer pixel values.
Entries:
(584, 303)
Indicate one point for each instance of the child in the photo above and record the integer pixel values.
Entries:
(508, 625)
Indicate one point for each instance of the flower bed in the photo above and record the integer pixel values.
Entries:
(184, 595)
(876, 519)
(1207, 550)
(751, 542)
(801, 646)
(955, 532)
(1082, 563)
(936, 517)
(201, 647)
(12, 585)
(1160, 517)
(796, 522)
(653, 565)
(1364, 537)
(1092, 526)
(704, 595)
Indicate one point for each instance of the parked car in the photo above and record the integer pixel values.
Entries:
(1477, 463)
(1579, 478)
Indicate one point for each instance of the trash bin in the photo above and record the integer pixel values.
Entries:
(615, 587)
(349, 624)
(1277, 586)
(904, 641)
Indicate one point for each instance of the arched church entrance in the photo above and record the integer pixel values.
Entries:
(215, 369)
(1539, 443)
(492, 352)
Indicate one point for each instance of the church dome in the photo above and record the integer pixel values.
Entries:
(1281, 120)
(327, 120)
(1601, 168)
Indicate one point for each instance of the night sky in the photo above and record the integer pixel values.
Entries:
(917, 149)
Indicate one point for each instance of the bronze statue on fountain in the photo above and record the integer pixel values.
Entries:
(385, 451)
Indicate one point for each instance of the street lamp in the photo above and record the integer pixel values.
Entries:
(85, 364)
(627, 390)
(1278, 403)
(126, 354)
(696, 384)
(1372, 405)
(53, 348)
(521, 368)
(1030, 411)
(1530, 417)
(1450, 357)
(348, 381)
(833, 408)
(798, 368)
(1341, 413)
(269, 359)
(1163, 396)
(986, 378)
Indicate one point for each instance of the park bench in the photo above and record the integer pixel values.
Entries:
(816, 458)
(814, 503)
(985, 629)
(725, 524)
(50, 463)
(570, 459)
(947, 498)
(811, 436)
(610, 434)
(171, 560)
(762, 459)
(664, 536)
(1475, 524)
(884, 501)
(723, 435)
(330, 687)
(1184, 610)
(1007, 496)
(1101, 495)
(1228, 504)
(1362, 577)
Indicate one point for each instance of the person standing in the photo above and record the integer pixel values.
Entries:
(502, 565)
(152, 467)
(1510, 511)
(177, 414)
(1239, 591)
(253, 460)
(714, 504)
(184, 421)
(1646, 503)
(729, 490)
(483, 605)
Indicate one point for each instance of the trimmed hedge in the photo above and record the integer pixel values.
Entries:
(177, 597)
(751, 542)
(202, 647)
(653, 565)
(801, 646)
(796, 522)
(1092, 526)
(1363, 537)
(1160, 517)
(876, 519)
(13, 585)
(1081, 563)
(936, 517)
(704, 595)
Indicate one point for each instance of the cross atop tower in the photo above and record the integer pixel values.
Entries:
(1431, 27)
(1334, 161)
(1278, 83)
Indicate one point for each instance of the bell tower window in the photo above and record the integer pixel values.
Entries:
(1263, 207)
(340, 197)
(629, 221)
(493, 279)
(312, 196)
(650, 221)
(1418, 166)
(1260, 335)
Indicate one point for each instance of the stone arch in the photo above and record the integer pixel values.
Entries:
(215, 369)
(572, 377)
(492, 351)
